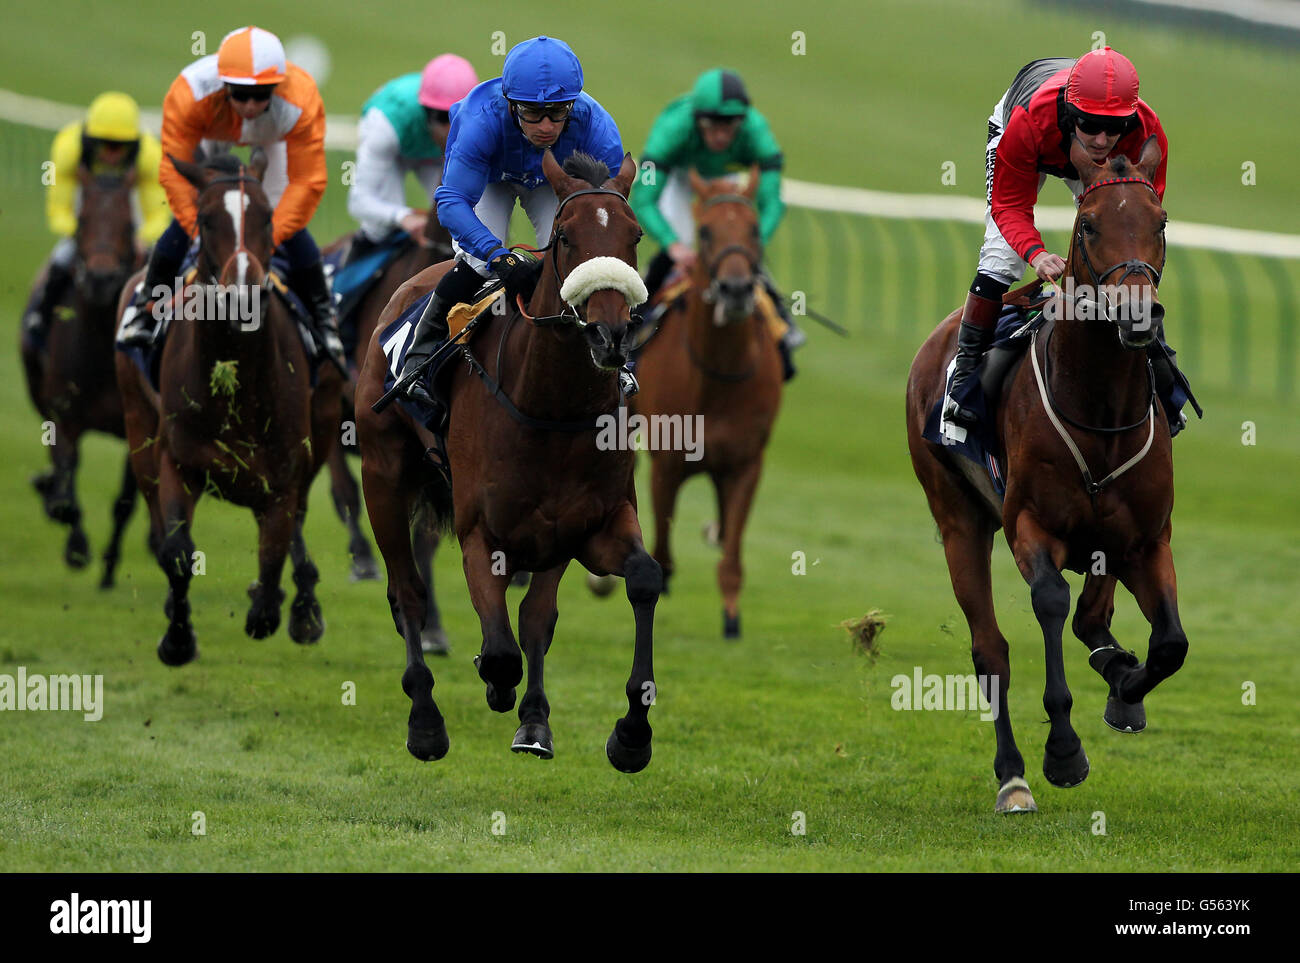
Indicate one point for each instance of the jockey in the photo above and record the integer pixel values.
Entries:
(247, 93)
(1050, 102)
(404, 127)
(108, 141)
(715, 130)
(499, 134)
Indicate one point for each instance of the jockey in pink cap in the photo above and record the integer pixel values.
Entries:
(403, 130)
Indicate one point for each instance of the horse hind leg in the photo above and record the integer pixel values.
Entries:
(387, 498)
(61, 503)
(306, 622)
(123, 507)
(1091, 625)
(1039, 558)
(433, 637)
(537, 618)
(347, 505)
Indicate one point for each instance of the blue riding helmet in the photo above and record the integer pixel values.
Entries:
(541, 71)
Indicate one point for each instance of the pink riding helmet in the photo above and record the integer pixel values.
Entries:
(447, 78)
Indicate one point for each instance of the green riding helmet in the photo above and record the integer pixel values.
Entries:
(719, 93)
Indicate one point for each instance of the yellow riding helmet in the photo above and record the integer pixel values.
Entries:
(113, 116)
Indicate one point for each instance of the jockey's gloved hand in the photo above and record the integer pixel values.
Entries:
(519, 272)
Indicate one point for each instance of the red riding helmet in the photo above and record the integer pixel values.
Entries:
(1103, 83)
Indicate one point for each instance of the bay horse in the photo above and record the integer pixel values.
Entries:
(714, 361)
(236, 414)
(70, 380)
(1093, 374)
(532, 490)
(433, 247)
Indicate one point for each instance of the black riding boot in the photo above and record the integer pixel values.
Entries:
(139, 324)
(1165, 369)
(456, 287)
(657, 273)
(314, 289)
(793, 337)
(57, 281)
(977, 322)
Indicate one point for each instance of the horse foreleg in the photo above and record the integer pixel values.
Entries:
(306, 623)
(1039, 558)
(499, 663)
(123, 506)
(433, 637)
(176, 498)
(1092, 627)
(61, 504)
(537, 617)
(666, 479)
(618, 550)
(735, 497)
(275, 525)
(1155, 586)
(347, 505)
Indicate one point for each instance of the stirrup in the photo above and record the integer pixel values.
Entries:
(627, 383)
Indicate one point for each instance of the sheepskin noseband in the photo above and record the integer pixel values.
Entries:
(600, 274)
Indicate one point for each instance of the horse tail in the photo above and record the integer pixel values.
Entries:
(434, 507)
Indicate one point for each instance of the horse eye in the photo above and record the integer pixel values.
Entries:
(562, 238)
(706, 234)
(1088, 229)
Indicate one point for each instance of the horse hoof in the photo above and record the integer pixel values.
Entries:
(1066, 773)
(427, 745)
(178, 646)
(1015, 797)
(77, 551)
(108, 581)
(1122, 717)
(520, 579)
(601, 585)
(263, 615)
(434, 642)
(364, 569)
(306, 623)
(500, 700)
(535, 738)
(626, 758)
(730, 626)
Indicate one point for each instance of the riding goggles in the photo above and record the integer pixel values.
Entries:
(243, 92)
(534, 113)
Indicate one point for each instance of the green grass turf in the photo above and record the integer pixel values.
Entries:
(256, 737)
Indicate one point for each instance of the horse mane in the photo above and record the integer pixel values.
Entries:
(225, 162)
(1121, 165)
(591, 170)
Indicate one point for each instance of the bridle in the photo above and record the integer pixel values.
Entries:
(710, 294)
(569, 314)
(1132, 266)
(241, 179)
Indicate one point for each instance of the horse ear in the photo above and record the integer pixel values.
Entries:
(132, 175)
(257, 162)
(751, 185)
(1088, 170)
(1150, 158)
(622, 181)
(564, 184)
(698, 184)
(191, 172)
(83, 175)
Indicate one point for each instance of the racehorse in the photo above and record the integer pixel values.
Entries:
(713, 362)
(1093, 374)
(432, 248)
(70, 379)
(532, 491)
(235, 414)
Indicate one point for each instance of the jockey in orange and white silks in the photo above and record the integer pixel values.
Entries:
(247, 94)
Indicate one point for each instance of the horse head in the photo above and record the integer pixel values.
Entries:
(592, 253)
(1117, 250)
(105, 237)
(235, 231)
(729, 244)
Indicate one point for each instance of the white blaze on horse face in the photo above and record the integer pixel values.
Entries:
(602, 215)
(231, 200)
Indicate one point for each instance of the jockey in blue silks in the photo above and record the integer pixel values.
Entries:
(499, 133)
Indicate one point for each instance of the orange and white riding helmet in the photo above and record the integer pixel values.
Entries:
(251, 56)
